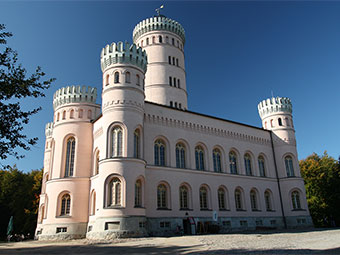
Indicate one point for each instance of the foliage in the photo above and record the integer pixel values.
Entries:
(19, 197)
(15, 84)
(322, 182)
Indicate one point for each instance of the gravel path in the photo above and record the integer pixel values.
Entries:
(308, 242)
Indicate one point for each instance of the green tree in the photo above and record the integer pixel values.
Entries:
(322, 182)
(19, 197)
(15, 85)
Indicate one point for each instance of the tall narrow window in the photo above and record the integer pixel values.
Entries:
(180, 155)
(262, 167)
(217, 160)
(81, 111)
(247, 164)
(127, 77)
(136, 144)
(203, 198)
(289, 166)
(171, 104)
(279, 121)
(176, 61)
(170, 80)
(161, 196)
(233, 162)
(137, 80)
(183, 197)
(296, 200)
(174, 82)
(167, 39)
(169, 60)
(117, 140)
(69, 162)
(116, 75)
(199, 158)
(58, 116)
(96, 166)
(107, 80)
(115, 192)
(89, 114)
(138, 193)
(287, 122)
(178, 84)
(72, 114)
(64, 115)
(238, 200)
(159, 150)
(173, 60)
(160, 39)
(153, 39)
(268, 200)
(93, 203)
(147, 41)
(253, 200)
(173, 41)
(221, 199)
(65, 205)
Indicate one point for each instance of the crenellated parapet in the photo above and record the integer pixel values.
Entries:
(74, 94)
(274, 105)
(158, 23)
(49, 129)
(123, 53)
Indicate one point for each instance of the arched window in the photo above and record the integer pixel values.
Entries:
(171, 104)
(69, 159)
(173, 60)
(287, 122)
(203, 198)
(180, 155)
(253, 200)
(136, 144)
(96, 165)
(183, 197)
(147, 41)
(268, 200)
(93, 203)
(233, 162)
(58, 116)
(64, 115)
(162, 196)
(296, 200)
(138, 193)
(137, 80)
(176, 61)
(127, 77)
(217, 160)
(170, 80)
(289, 166)
(159, 150)
(160, 39)
(107, 81)
(238, 200)
(117, 140)
(173, 41)
(41, 213)
(271, 123)
(115, 197)
(174, 82)
(141, 43)
(221, 199)
(167, 39)
(247, 163)
(89, 114)
(116, 75)
(199, 158)
(261, 166)
(169, 60)
(72, 114)
(65, 205)
(279, 120)
(153, 39)
(80, 113)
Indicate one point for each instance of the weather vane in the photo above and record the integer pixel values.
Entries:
(158, 10)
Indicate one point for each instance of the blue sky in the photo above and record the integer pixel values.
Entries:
(237, 54)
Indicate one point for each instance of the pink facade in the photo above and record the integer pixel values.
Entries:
(144, 164)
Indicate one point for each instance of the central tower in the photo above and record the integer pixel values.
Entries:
(163, 40)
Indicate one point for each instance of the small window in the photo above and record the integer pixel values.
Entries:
(268, 201)
(177, 43)
(289, 166)
(147, 41)
(153, 39)
(65, 205)
(170, 80)
(107, 82)
(174, 82)
(89, 114)
(61, 230)
(72, 114)
(175, 104)
(180, 106)
(141, 44)
(160, 39)
(69, 156)
(169, 60)
(279, 121)
(116, 141)
(171, 104)
(116, 75)
(136, 144)
(173, 60)
(137, 80)
(296, 200)
(127, 77)
(64, 115)
(58, 116)
(173, 41)
(81, 113)
(176, 61)
(167, 39)
(178, 84)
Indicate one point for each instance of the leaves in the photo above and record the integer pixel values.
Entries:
(322, 182)
(15, 84)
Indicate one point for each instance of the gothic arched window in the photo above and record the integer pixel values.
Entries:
(116, 77)
(261, 166)
(159, 151)
(221, 199)
(138, 193)
(279, 120)
(289, 166)
(199, 158)
(247, 164)
(184, 197)
(69, 158)
(238, 200)
(65, 205)
(180, 155)
(162, 197)
(268, 200)
(136, 144)
(296, 200)
(253, 200)
(203, 198)
(233, 162)
(115, 192)
(127, 77)
(217, 160)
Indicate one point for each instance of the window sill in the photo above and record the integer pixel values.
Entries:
(140, 207)
(185, 209)
(256, 210)
(163, 209)
(224, 210)
(205, 209)
(241, 210)
(63, 216)
(270, 210)
(114, 207)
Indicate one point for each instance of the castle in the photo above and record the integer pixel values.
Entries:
(143, 164)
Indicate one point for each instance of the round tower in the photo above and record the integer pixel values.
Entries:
(163, 40)
(68, 163)
(121, 169)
